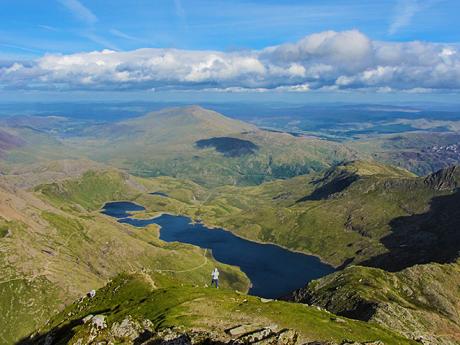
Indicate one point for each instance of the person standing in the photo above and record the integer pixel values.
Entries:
(215, 278)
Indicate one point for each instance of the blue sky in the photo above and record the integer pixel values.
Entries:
(240, 31)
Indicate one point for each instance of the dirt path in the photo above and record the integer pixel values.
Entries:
(191, 269)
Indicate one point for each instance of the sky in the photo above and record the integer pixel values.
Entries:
(185, 49)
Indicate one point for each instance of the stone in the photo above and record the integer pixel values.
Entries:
(255, 336)
(173, 337)
(99, 321)
(287, 337)
(128, 328)
(239, 330)
(87, 318)
(266, 300)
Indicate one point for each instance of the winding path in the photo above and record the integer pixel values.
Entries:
(190, 269)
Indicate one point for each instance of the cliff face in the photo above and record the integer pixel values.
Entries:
(445, 179)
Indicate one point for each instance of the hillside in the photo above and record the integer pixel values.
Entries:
(171, 142)
(421, 152)
(382, 216)
(422, 302)
(132, 310)
(56, 246)
(8, 142)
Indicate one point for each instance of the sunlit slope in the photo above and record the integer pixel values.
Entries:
(359, 212)
(165, 143)
(422, 301)
(134, 310)
(55, 246)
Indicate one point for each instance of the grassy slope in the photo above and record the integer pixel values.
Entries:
(349, 224)
(345, 226)
(205, 309)
(422, 300)
(58, 246)
(163, 143)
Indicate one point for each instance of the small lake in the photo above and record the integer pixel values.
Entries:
(273, 271)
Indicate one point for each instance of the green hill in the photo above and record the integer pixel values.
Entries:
(383, 218)
(56, 246)
(132, 310)
(422, 302)
(169, 142)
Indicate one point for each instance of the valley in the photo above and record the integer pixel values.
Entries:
(241, 172)
(272, 270)
(312, 208)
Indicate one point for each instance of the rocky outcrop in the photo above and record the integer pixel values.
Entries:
(445, 179)
(420, 302)
(142, 332)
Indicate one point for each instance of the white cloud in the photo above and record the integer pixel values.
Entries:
(123, 35)
(323, 61)
(405, 11)
(80, 11)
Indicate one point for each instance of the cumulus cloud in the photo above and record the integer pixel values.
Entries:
(323, 61)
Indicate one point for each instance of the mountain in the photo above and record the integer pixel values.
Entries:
(421, 302)
(8, 141)
(420, 152)
(382, 216)
(393, 236)
(191, 142)
(132, 309)
(184, 142)
(55, 245)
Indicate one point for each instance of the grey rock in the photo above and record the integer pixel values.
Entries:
(87, 318)
(127, 329)
(98, 321)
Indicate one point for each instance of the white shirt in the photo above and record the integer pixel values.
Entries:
(215, 274)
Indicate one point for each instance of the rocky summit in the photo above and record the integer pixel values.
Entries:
(192, 315)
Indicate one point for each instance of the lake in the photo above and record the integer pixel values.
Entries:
(274, 271)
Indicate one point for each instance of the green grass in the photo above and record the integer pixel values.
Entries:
(421, 300)
(90, 191)
(25, 305)
(190, 307)
(3, 230)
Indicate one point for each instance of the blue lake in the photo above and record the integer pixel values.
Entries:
(273, 270)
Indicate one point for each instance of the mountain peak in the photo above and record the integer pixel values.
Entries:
(340, 177)
(195, 118)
